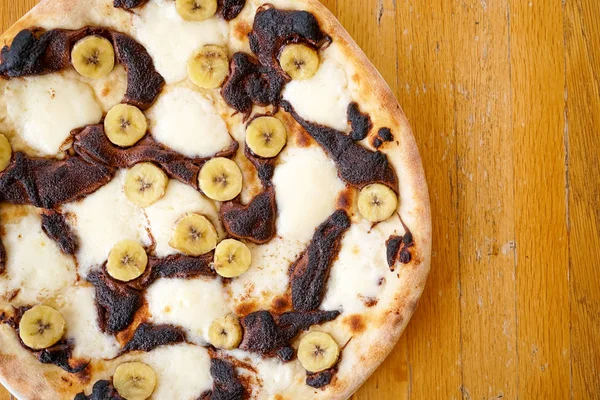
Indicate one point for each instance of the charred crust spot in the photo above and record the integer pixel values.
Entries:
(226, 383)
(255, 221)
(102, 390)
(308, 274)
(148, 337)
(230, 9)
(286, 354)
(356, 323)
(129, 4)
(55, 226)
(319, 379)
(361, 123)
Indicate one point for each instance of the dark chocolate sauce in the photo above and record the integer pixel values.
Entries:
(361, 123)
(398, 248)
(264, 166)
(55, 226)
(392, 249)
(102, 390)
(61, 355)
(255, 221)
(356, 165)
(116, 303)
(266, 334)
(320, 379)
(2, 257)
(384, 135)
(180, 266)
(129, 4)
(36, 52)
(226, 383)
(308, 274)
(147, 337)
(230, 9)
(286, 354)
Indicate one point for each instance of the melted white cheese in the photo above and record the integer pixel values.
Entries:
(80, 315)
(44, 109)
(171, 40)
(324, 98)
(179, 199)
(188, 123)
(192, 304)
(34, 264)
(101, 220)
(109, 90)
(306, 186)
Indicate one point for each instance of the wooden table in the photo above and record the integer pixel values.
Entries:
(504, 99)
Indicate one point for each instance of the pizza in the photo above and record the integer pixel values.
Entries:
(201, 199)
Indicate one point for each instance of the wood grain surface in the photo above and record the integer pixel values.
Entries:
(504, 99)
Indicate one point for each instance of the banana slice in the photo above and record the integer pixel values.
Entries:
(299, 61)
(125, 125)
(134, 380)
(127, 260)
(93, 57)
(377, 202)
(220, 179)
(41, 327)
(266, 136)
(145, 184)
(318, 352)
(225, 332)
(194, 235)
(196, 10)
(208, 67)
(5, 152)
(232, 258)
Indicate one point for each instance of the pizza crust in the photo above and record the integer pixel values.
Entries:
(29, 379)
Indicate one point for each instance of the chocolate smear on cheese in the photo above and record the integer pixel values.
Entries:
(230, 9)
(129, 4)
(2, 257)
(37, 52)
(266, 333)
(361, 123)
(308, 274)
(226, 383)
(61, 355)
(383, 135)
(116, 303)
(102, 390)
(356, 165)
(398, 248)
(320, 379)
(148, 336)
(392, 248)
(56, 227)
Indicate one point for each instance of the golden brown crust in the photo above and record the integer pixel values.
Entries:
(29, 379)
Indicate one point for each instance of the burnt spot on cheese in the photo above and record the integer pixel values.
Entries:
(320, 379)
(254, 221)
(356, 323)
(230, 9)
(356, 165)
(129, 4)
(360, 123)
(246, 308)
(148, 337)
(226, 382)
(92, 145)
(266, 333)
(345, 199)
(281, 304)
(384, 135)
(309, 274)
(116, 303)
(55, 226)
(102, 390)
(36, 52)
(46, 183)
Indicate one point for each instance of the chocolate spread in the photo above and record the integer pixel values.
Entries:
(61, 355)
(129, 4)
(398, 248)
(102, 390)
(320, 379)
(226, 383)
(55, 226)
(360, 123)
(229, 9)
(383, 135)
(147, 337)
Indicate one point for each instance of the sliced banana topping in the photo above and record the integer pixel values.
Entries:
(145, 184)
(196, 10)
(377, 202)
(93, 57)
(220, 179)
(41, 327)
(127, 260)
(125, 125)
(299, 61)
(134, 380)
(225, 332)
(266, 136)
(318, 351)
(194, 235)
(5, 152)
(208, 67)
(232, 258)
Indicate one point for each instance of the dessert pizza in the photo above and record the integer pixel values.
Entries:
(201, 199)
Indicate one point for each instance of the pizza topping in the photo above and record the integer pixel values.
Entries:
(41, 327)
(384, 135)
(265, 334)
(377, 202)
(37, 52)
(5, 152)
(319, 379)
(220, 179)
(145, 184)
(226, 383)
(93, 57)
(286, 354)
(196, 10)
(398, 248)
(299, 61)
(55, 226)
(2, 258)
(392, 249)
(232, 258)
(194, 235)
(318, 351)
(147, 337)
(126, 261)
(102, 390)
(134, 380)
(129, 4)
(208, 67)
(180, 266)
(266, 136)
(308, 274)
(361, 123)
(125, 125)
(225, 332)
(230, 9)
(116, 303)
